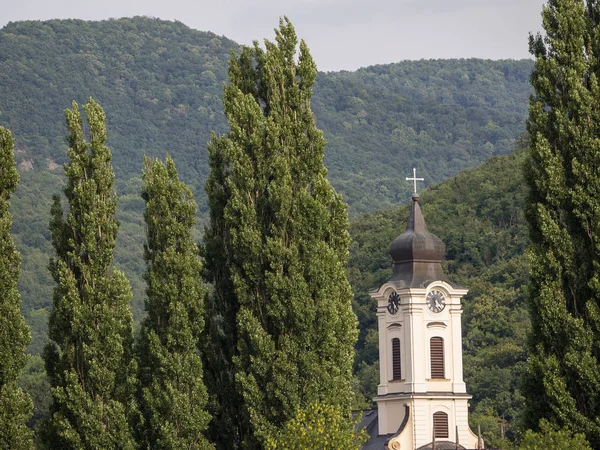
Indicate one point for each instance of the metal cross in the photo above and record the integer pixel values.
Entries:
(414, 179)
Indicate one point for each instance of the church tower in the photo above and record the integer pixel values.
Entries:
(421, 395)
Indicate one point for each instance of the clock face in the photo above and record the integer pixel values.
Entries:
(393, 302)
(436, 301)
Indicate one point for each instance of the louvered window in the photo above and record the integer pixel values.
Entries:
(440, 425)
(396, 367)
(436, 346)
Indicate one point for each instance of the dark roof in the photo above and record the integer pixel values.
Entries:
(370, 422)
(417, 243)
(417, 254)
(441, 445)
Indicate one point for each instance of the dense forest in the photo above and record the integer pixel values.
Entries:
(438, 116)
(160, 84)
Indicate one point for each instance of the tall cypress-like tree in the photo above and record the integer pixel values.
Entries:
(173, 397)
(15, 405)
(563, 172)
(276, 249)
(90, 361)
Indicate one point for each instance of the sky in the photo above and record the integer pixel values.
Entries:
(341, 34)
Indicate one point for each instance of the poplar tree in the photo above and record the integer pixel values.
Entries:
(90, 361)
(562, 383)
(15, 405)
(280, 319)
(173, 395)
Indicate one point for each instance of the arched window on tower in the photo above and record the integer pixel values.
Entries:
(440, 424)
(396, 365)
(436, 347)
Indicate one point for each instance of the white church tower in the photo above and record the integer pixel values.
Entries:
(421, 395)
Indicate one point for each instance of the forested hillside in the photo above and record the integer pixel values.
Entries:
(439, 116)
(478, 215)
(160, 84)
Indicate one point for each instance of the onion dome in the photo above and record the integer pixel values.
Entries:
(417, 253)
(417, 243)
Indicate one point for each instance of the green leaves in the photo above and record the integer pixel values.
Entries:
(89, 361)
(15, 406)
(557, 439)
(276, 250)
(15, 411)
(172, 395)
(561, 384)
(318, 426)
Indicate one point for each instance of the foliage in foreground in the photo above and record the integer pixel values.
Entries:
(280, 318)
(562, 382)
(90, 357)
(551, 438)
(15, 405)
(173, 396)
(318, 426)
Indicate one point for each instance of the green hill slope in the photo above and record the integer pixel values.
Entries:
(478, 215)
(441, 116)
(160, 85)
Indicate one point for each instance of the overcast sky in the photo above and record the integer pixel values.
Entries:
(342, 34)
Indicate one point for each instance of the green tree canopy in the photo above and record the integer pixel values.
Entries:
(15, 406)
(562, 384)
(173, 396)
(90, 360)
(550, 438)
(318, 427)
(280, 317)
